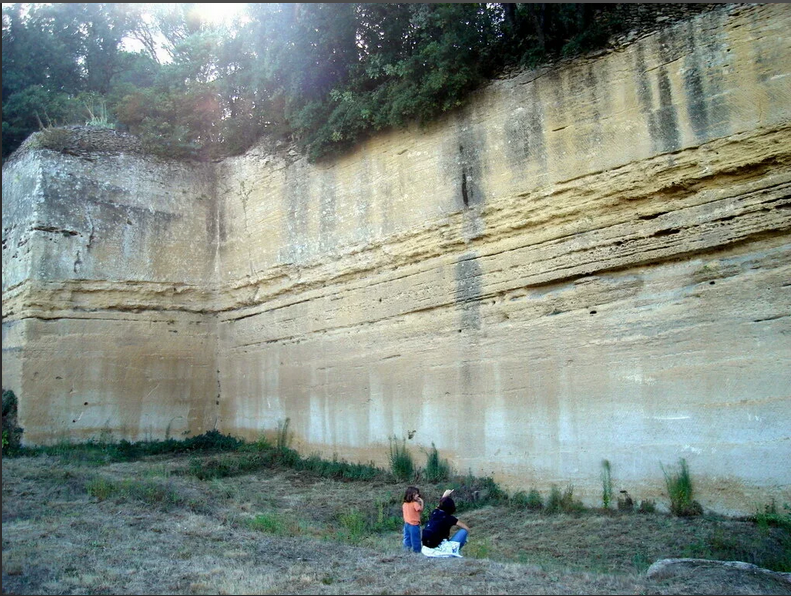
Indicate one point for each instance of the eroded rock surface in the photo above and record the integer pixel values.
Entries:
(589, 262)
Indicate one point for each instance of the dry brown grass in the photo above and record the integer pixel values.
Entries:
(167, 533)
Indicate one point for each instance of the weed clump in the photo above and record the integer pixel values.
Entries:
(531, 501)
(12, 434)
(647, 506)
(402, 465)
(771, 517)
(153, 493)
(284, 437)
(563, 502)
(437, 470)
(606, 479)
(679, 489)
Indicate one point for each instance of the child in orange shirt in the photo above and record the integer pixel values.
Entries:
(412, 508)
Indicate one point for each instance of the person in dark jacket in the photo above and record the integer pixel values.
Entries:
(440, 523)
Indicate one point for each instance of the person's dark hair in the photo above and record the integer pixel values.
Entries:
(411, 493)
(447, 505)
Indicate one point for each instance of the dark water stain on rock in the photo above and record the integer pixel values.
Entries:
(662, 119)
(524, 132)
(468, 291)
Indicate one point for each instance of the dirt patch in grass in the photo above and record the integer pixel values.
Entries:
(146, 527)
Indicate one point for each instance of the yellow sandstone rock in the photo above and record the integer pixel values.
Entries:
(589, 262)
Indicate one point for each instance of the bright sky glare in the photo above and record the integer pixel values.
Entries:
(217, 13)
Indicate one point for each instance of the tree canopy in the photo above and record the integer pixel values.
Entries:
(323, 75)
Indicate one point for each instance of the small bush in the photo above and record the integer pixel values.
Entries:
(402, 466)
(679, 489)
(606, 480)
(531, 501)
(12, 434)
(338, 469)
(770, 516)
(101, 488)
(284, 438)
(647, 506)
(212, 440)
(437, 470)
(534, 500)
(153, 493)
(479, 549)
(563, 502)
(472, 492)
(353, 526)
(262, 444)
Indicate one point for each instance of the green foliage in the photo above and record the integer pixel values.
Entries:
(606, 480)
(531, 501)
(437, 470)
(104, 450)
(771, 517)
(101, 488)
(563, 502)
(647, 506)
(326, 75)
(153, 493)
(284, 438)
(355, 526)
(771, 552)
(679, 489)
(479, 548)
(12, 434)
(473, 492)
(274, 523)
(338, 469)
(402, 466)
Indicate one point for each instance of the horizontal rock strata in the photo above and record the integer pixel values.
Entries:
(589, 262)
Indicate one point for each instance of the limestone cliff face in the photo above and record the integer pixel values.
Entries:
(108, 262)
(589, 262)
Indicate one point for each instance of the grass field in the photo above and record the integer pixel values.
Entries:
(230, 523)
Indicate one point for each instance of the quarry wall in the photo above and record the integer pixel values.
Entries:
(588, 262)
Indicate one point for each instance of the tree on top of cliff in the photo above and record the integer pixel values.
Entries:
(324, 75)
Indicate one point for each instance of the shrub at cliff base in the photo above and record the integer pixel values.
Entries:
(12, 434)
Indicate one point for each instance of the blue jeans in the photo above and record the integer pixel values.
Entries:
(460, 537)
(412, 538)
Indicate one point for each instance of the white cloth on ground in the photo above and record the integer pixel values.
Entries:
(446, 548)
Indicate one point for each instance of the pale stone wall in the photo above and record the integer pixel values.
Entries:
(588, 262)
(108, 262)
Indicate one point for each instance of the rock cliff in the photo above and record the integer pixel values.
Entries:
(590, 261)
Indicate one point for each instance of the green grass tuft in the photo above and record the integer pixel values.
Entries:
(563, 502)
(402, 466)
(531, 501)
(437, 470)
(606, 480)
(680, 491)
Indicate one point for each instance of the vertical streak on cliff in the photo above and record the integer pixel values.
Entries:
(471, 387)
(702, 72)
(213, 235)
(468, 291)
(470, 193)
(662, 120)
(524, 134)
(295, 200)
